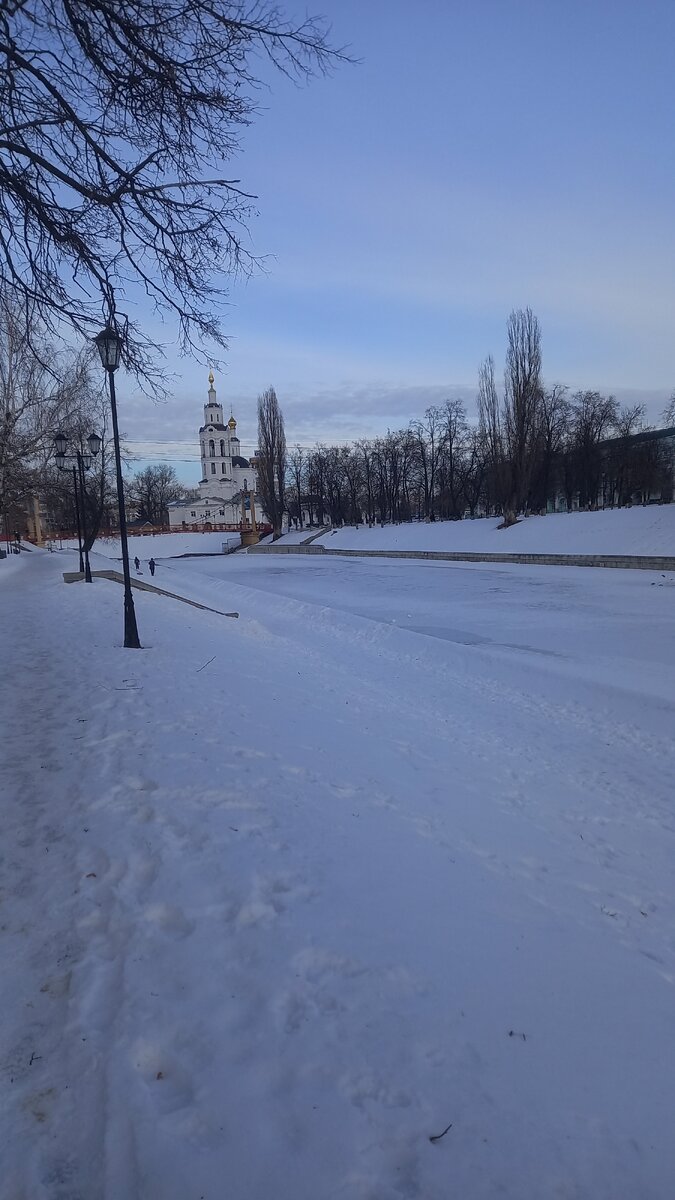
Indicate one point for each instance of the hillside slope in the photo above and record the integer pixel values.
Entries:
(615, 531)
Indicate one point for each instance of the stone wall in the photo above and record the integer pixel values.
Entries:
(623, 561)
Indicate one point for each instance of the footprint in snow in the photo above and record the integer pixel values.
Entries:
(270, 897)
(168, 1082)
(170, 919)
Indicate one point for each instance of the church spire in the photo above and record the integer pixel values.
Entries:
(212, 390)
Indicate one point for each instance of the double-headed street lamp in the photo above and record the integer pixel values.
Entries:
(80, 463)
(109, 345)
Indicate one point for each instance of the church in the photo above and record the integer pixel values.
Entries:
(228, 481)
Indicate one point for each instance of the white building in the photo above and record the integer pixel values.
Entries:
(227, 477)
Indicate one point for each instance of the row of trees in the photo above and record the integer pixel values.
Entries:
(532, 446)
(443, 467)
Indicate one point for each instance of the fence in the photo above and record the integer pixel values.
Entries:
(160, 530)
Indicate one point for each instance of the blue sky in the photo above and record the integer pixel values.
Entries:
(483, 155)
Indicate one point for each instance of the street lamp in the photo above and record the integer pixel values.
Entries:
(109, 345)
(83, 462)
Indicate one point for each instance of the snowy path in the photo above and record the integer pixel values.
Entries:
(274, 923)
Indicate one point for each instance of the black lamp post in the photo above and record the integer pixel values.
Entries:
(60, 442)
(81, 463)
(109, 345)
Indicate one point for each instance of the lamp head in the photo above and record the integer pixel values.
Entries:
(109, 345)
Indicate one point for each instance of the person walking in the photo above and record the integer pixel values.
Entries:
(137, 563)
(152, 564)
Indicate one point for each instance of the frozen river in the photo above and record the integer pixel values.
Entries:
(616, 622)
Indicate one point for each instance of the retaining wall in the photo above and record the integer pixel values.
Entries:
(118, 577)
(624, 561)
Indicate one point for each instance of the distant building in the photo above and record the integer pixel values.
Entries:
(638, 469)
(227, 477)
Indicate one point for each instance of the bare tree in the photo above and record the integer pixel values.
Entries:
(511, 428)
(152, 489)
(474, 471)
(353, 471)
(365, 450)
(98, 497)
(522, 406)
(297, 463)
(271, 458)
(335, 486)
(621, 454)
(554, 423)
(42, 390)
(116, 122)
(428, 435)
(492, 435)
(316, 483)
(451, 473)
(668, 415)
(592, 417)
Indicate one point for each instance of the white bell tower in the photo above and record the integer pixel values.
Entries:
(214, 442)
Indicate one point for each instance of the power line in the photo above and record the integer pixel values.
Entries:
(131, 441)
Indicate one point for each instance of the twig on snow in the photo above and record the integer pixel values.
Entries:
(437, 1136)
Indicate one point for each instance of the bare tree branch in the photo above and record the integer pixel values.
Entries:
(115, 121)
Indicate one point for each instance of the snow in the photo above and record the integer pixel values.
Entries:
(10, 564)
(295, 537)
(649, 530)
(164, 545)
(398, 858)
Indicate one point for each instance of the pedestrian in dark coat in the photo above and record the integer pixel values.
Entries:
(152, 564)
(137, 563)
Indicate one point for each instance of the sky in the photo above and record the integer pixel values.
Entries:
(480, 156)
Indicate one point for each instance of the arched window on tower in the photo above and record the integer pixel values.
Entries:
(222, 468)
(212, 448)
(222, 448)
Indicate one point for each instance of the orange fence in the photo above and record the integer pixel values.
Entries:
(159, 530)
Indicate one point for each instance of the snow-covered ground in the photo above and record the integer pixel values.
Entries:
(165, 545)
(287, 897)
(295, 536)
(649, 530)
(616, 531)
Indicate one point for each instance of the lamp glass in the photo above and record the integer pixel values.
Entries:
(61, 462)
(60, 443)
(109, 345)
(94, 443)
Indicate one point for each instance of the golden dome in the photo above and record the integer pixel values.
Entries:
(232, 424)
(211, 378)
